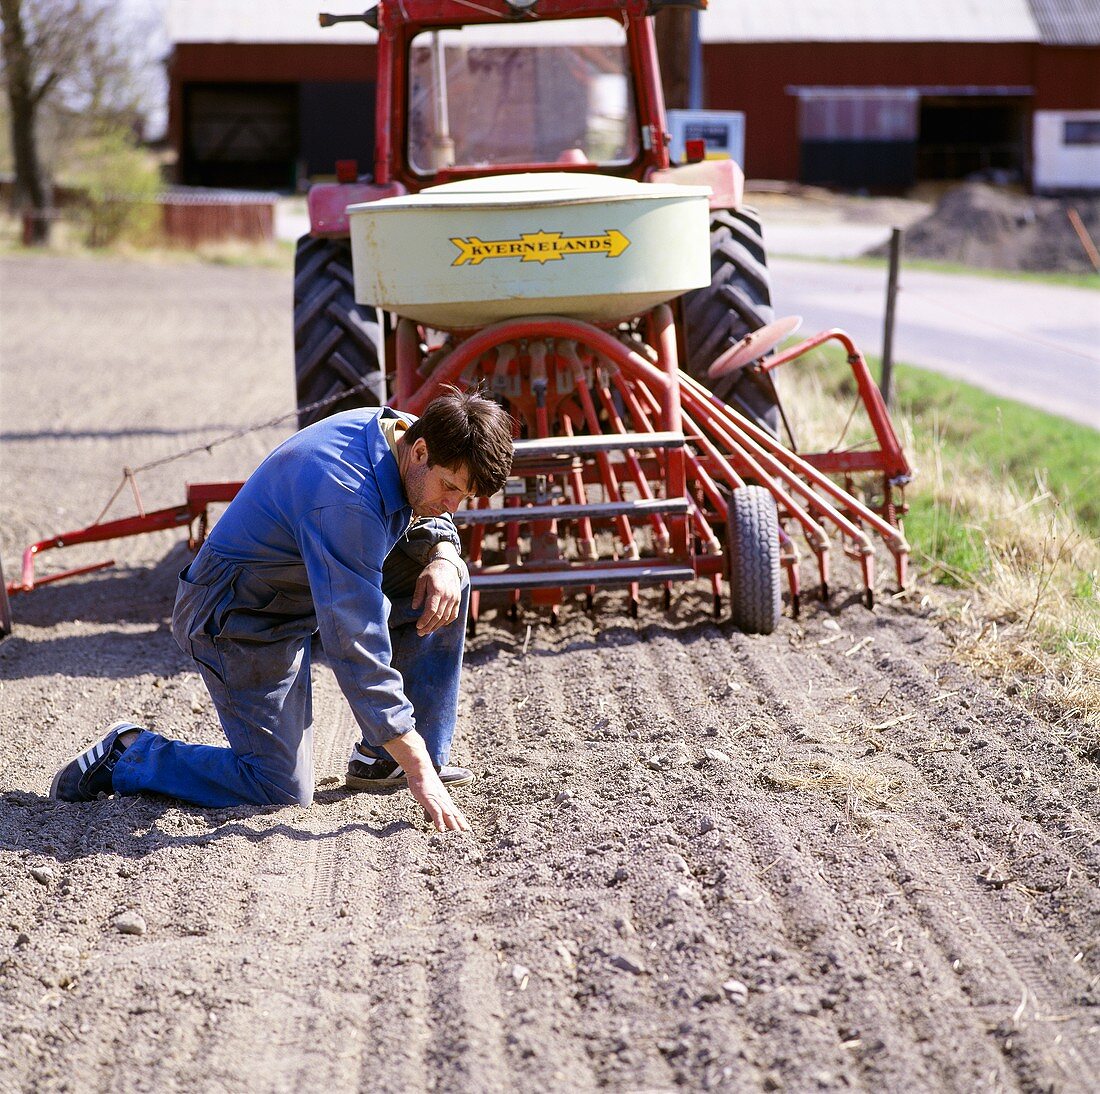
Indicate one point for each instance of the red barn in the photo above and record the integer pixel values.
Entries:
(858, 94)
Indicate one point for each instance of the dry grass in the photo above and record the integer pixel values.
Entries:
(1034, 622)
(855, 788)
(1028, 614)
(67, 238)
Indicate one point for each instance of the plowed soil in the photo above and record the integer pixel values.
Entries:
(828, 858)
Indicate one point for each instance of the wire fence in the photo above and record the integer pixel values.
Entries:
(178, 217)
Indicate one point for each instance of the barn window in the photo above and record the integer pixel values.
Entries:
(1082, 132)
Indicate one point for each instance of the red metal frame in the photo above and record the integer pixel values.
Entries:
(328, 204)
(889, 458)
(200, 496)
(641, 456)
(399, 21)
(562, 377)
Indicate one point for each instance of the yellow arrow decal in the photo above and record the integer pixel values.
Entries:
(539, 247)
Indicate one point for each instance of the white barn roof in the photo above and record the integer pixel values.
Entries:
(271, 21)
(1068, 22)
(868, 21)
(264, 21)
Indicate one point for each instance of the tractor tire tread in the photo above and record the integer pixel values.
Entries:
(337, 342)
(737, 302)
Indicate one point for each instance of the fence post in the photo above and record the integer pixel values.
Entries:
(5, 606)
(886, 380)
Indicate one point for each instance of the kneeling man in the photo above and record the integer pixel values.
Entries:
(344, 530)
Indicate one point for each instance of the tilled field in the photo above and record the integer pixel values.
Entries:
(825, 859)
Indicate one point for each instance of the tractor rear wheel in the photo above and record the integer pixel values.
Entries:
(337, 343)
(737, 302)
(752, 547)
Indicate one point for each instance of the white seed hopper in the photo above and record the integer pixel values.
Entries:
(470, 253)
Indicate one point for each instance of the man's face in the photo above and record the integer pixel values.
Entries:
(433, 491)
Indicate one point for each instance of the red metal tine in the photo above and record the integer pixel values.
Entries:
(764, 469)
(893, 537)
(767, 470)
(815, 534)
(576, 479)
(644, 424)
(537, 351)
(473, 555)
(553, 326)
(662, 332)
(544, 532)
(660, 531)
(696, 471)
(789, 559)
(607, 472)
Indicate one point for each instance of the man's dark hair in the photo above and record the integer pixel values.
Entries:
(465, 428)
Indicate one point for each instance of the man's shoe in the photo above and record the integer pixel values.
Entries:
(367, 773)
(87, 777)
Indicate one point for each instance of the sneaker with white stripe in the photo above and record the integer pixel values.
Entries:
(87, 776)
(370, 773)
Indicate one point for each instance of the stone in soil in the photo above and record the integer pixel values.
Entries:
(130, 923)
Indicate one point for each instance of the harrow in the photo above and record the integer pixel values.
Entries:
(615, 438)
(617, 305)
(627, 472)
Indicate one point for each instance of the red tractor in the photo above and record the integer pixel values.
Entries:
(525, 232)
(498, 88)
(468, 90)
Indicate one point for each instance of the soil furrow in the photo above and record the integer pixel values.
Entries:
(990, 936)
(828, 858)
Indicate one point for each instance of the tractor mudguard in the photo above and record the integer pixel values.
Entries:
(724, 177)
(328, 204)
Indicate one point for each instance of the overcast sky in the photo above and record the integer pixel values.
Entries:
(150, 16)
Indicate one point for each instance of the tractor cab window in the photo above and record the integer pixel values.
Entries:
(553, 92)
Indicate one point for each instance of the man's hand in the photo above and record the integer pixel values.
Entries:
(439, 592)
(425, 785)
(438, 803)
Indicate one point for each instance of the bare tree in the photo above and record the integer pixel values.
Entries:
(75, 57)
(26, 89)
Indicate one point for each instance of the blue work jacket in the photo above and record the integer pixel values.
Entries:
(301, 548)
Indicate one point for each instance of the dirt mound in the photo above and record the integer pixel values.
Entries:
(982, 225)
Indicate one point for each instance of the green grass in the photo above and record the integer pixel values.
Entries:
(1041, 277)
(1034, 449)
(967, 446)
(948, 540)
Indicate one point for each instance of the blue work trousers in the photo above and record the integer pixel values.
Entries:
(263, 698)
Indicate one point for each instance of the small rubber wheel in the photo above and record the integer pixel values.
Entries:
(752, 548)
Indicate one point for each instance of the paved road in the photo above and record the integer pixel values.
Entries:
(1038, 344)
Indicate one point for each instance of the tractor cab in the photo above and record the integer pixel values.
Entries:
(519, 98)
